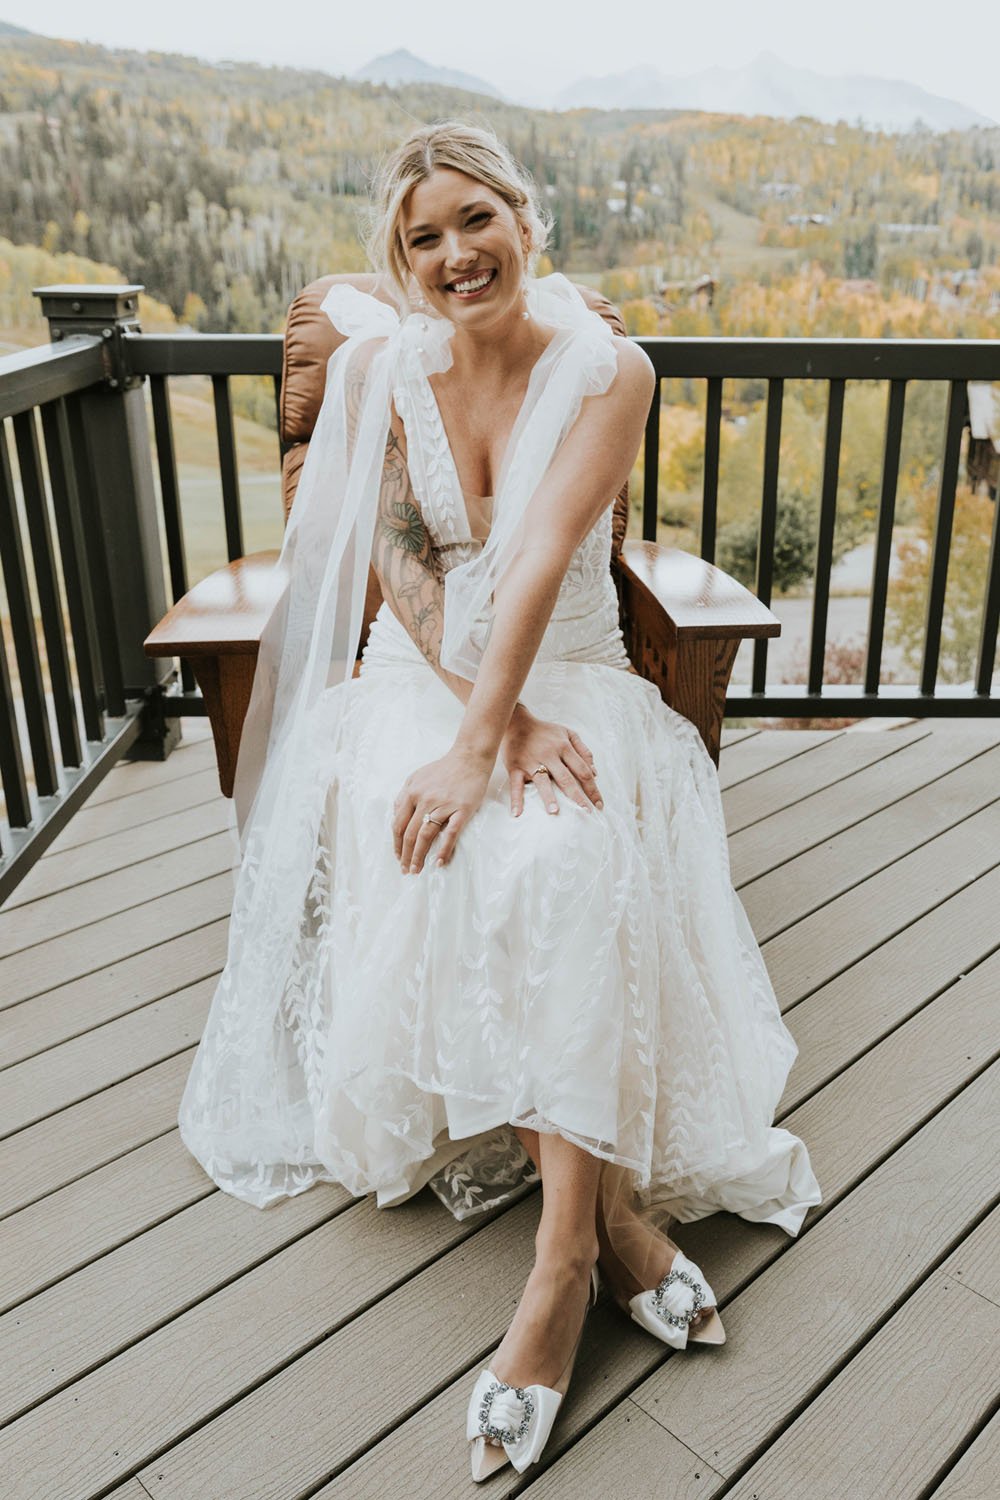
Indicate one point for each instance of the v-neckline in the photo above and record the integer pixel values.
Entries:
(501, 472)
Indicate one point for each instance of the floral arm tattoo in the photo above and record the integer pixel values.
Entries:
(405, 560)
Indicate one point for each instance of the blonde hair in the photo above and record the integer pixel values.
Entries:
(473, 149)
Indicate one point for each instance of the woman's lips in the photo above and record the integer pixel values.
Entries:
(471, 296)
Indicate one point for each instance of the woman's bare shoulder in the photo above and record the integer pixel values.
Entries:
(636, 376)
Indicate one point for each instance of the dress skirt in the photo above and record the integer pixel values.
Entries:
(592, 973)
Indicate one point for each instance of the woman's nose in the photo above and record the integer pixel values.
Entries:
(457, 250)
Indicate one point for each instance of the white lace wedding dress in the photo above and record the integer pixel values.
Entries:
(592, 973)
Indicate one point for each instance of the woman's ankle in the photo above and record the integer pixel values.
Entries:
(567, 1256)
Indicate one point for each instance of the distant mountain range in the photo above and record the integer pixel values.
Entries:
(766, 86)
(402, 67)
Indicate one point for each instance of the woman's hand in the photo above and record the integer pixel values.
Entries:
(530, 743)
(450, 789)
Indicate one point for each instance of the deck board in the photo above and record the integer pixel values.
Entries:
(829, 762)
(762, 847)
(901, 1407)
(107, 895)
(974, 1476)
(165, 1342)
(810, 880)
(71, 1008)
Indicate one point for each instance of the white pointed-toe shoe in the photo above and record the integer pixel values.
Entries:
(667, 1311)
(511, 1424)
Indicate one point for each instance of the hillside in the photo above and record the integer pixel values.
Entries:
(225, 188)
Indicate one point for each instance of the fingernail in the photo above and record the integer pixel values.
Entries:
(599, 802)
(413, 870)
(439, 863)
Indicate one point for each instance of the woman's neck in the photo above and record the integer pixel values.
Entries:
(500, 350)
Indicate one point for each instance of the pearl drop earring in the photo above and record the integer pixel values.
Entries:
(524, 289)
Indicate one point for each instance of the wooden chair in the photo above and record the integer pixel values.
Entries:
(682, 618)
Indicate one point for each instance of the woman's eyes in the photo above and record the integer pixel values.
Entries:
(482, 217)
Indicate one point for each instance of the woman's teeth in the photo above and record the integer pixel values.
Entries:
(476, 284)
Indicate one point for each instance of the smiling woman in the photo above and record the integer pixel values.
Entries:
(484, 924)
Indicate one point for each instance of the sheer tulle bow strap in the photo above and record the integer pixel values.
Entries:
(358, 314)
(424, 339)
(518, 1417)
(667, 1311)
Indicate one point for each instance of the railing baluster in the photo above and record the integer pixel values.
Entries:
(651, 468)
(169, 491)
(72, 552)
(710, 487)
(173, 524)
(768, 517)
(22, 624)
(942, 535)
(49, 597)
(883, 538)
(824, 541)
(97, 561)
(227, 464)
(15, 786)
(991, 610)
(282, 445)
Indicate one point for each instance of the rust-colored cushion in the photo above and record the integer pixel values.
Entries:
(310, 339)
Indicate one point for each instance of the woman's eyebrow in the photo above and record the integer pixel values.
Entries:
(466, 208)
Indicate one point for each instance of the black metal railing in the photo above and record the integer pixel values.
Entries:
(835, 361)
(84, 506)
(221, 357)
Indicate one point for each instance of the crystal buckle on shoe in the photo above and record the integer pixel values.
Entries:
(505, 1434)
(678, 1320)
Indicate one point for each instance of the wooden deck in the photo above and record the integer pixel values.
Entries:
(160, 1339)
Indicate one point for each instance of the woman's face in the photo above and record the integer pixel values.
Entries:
(466, 248)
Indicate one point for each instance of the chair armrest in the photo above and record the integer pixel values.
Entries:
(683, 620)
(222, 615)
(217, 627)
(696, 598)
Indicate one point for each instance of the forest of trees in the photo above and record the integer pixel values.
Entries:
(225, 189)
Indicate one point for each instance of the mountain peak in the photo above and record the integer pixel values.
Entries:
(402, 67)
(771, 86)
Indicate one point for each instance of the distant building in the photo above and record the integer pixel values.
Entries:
(982, 464)
(671, 294)
(905, 229)
(780, 189)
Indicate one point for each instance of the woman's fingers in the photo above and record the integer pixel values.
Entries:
(569, 784)
(449, 837)
(543, 781)
(402, 813)
(517, 792)
(426, 833)
(583, 770)
(579, 746)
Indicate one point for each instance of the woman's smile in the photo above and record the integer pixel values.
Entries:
(467, 288)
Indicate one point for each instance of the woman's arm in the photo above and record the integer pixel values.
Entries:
(592, 463)
(408, 569)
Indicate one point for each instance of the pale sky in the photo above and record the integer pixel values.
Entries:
(522, 46)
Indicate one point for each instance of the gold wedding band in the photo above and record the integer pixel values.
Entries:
(538, 769)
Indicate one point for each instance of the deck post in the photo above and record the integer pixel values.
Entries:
(119, 468)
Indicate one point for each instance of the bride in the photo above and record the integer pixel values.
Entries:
(484, 928)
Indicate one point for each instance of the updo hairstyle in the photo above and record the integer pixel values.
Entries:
(473, 149)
